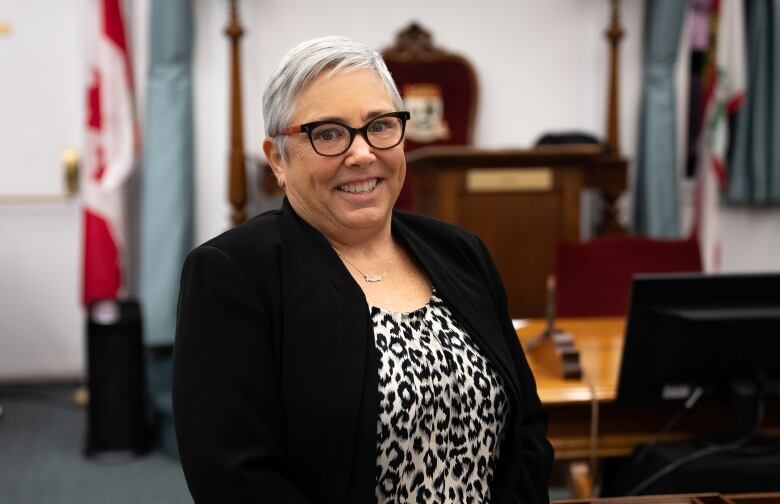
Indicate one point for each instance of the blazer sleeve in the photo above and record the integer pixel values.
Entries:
(227, 410)
(537, 451)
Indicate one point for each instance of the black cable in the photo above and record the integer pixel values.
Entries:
(704, 452)
(690, 402)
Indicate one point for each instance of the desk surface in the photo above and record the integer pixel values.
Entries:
(578, 430)
(600, 342)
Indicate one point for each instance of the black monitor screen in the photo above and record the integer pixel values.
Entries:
(696, 330)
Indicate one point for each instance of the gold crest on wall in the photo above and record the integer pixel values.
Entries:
(426, 106)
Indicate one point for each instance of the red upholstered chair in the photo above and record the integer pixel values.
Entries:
(593, 278)
(439, 89)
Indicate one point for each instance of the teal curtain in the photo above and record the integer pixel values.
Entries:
(754, 166)
(167, 184)
(656, 207)
(167, 196)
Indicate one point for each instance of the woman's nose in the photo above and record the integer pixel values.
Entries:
(359, 153)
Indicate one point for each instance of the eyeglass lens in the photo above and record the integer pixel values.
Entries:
(333, 138)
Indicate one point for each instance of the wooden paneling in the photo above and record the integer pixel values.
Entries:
(521, 223)
(516, 230)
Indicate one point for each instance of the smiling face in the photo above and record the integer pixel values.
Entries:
(350, 195)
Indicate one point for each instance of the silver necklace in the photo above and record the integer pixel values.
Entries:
(369, 278)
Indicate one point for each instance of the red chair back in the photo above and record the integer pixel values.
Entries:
(593, 278)
(439, 88)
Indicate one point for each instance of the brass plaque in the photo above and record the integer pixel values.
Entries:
(509, 180)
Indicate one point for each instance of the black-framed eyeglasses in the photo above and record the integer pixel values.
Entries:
(331, 138)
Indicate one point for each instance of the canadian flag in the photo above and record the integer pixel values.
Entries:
(109, 154)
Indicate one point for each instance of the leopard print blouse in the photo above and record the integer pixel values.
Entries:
(442, 409)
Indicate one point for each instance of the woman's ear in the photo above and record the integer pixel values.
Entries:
(274, 157)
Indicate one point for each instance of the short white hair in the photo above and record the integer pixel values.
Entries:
(303, 64)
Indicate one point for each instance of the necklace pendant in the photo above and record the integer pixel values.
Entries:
(373, 278)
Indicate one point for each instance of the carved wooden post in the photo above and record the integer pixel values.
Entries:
(614, 34)
(609, 213)
(237, 170)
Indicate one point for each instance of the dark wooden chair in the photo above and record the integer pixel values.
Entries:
(593, 278)
(440, 90)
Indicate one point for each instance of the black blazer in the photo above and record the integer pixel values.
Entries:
(275, 381)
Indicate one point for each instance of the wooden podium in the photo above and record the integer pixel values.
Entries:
(520, 202)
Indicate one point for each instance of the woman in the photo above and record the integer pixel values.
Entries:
(336, 351)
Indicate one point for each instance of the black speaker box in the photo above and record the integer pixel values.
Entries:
(117, 421)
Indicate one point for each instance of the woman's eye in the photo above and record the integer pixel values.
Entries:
(378, 126)
(328, 134)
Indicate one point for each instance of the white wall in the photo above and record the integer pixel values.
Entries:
(751, 239)
(40, 314)
(41, 113)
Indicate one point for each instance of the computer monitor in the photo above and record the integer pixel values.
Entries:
(688, 330)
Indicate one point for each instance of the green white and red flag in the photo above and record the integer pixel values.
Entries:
(724, 93)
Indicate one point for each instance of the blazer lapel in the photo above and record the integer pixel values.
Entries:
(471, 303)
(327, 313)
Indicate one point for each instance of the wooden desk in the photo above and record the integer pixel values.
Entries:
(618, 428)
(600, 341)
